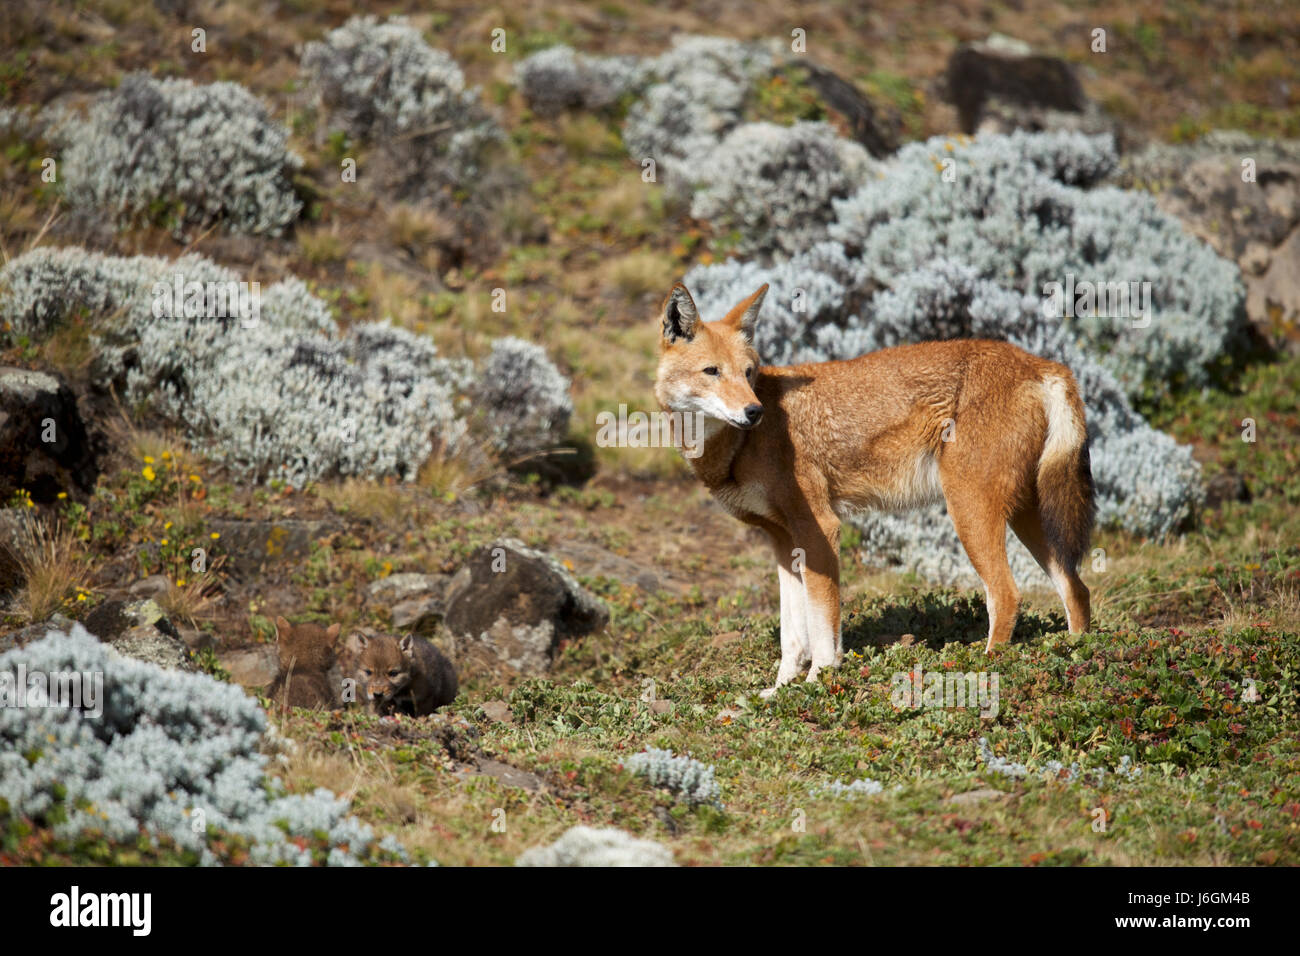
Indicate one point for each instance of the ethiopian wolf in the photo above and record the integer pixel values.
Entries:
(996, 433)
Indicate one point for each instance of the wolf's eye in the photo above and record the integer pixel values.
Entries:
(711, 370)
(749, 372)
(394, 673)
(366, 671)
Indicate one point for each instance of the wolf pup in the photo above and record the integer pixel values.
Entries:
(994, 432)
(308, 675)
(409, 675)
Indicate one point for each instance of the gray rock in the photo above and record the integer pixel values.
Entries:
(196, 640)
(420, 615)
(497, 710)
(252, 667)
(44, 445)
(514, 605)
(1001, 85)
(250, 545)
(142, 630)
(401, 587)
(153, 586)
(416, 602)
(858, 111)
(597, 562)
(34, 632)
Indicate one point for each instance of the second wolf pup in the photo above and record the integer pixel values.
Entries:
(308, 675)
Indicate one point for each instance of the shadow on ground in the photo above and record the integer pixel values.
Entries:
(934, 619)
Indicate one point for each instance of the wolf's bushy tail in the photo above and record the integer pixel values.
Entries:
(1066, 505)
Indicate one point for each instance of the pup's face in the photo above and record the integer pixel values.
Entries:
(709, 368)
(382, 670)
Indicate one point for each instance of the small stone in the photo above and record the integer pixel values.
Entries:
(252, 667)
(152, 586)
(498, 710)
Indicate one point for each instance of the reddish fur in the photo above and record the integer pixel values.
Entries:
(307, 654)
(849, 434)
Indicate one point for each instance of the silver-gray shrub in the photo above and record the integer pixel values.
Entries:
(382, 84)
(523, 397)
(1145, 482)
(1014, 214)
(773, 186)
(289, 397)
(865, 787)
(169, 749)
(201, 153)
(692, 780)
(1127, 771)
(702, 86)
(559, 78)
(588, 846)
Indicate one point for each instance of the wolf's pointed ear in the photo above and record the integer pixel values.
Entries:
(680, 315)
(745, 315)
(332, 633)
(282, 627)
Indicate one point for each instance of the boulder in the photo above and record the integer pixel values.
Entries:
(252, 667)
(858, 112)
(1001, 85)
(416, 602)
(514, 605)
(250, 545)
(34, 632)
(1255, 224)
(44, 445)
(140, 629)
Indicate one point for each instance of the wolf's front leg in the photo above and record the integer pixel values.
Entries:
(794, 627)
(821, 580)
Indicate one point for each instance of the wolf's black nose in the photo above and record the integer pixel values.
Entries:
(753, 413)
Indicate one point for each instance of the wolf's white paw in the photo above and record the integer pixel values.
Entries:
(767, 692)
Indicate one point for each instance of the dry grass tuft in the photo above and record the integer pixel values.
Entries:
(50, 562)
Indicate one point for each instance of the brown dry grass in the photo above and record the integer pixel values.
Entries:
(51, 562)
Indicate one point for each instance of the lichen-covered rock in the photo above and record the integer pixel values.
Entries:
(45, 447)
(140, 630)
(513, 605)
(1001, 84)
